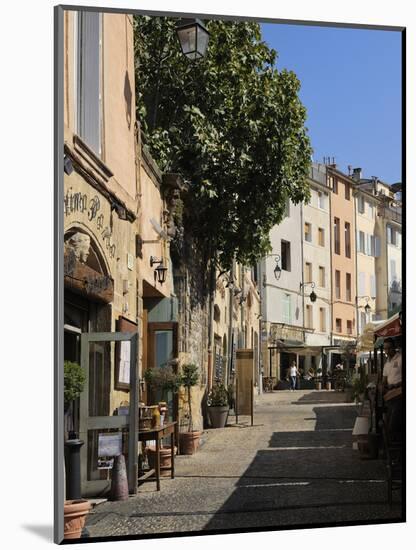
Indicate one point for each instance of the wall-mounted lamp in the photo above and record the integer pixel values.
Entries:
(277, 269)
(367, 307)
(121, 210)
(193, 38)
(312, 295)
(160, 270)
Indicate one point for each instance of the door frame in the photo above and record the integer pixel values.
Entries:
(109, 422)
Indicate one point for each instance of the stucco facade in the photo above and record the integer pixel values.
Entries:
(317, 261)
(343, 254)
(368, 246)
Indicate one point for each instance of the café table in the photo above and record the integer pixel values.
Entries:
(157, 434)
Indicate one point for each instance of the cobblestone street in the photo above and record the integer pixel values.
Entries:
(295, 466)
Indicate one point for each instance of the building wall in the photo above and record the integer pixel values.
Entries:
(101, 180)
(318, 256)
(367, 277)
(343, 209)
(289, 283)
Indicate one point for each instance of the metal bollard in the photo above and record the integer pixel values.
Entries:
(73, 468)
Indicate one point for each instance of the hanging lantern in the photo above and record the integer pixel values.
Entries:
(193, 37)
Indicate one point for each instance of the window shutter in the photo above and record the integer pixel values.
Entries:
(361, 283)
(89, 79)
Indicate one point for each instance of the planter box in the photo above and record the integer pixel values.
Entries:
(218, 416)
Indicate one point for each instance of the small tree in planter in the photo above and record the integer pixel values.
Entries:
(189, 441)
(75, 511)
(218, 406)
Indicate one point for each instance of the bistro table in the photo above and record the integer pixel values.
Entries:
(157, 434)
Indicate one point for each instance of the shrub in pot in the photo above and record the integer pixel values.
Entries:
(218, 406)
(75, 511)
(189, 440)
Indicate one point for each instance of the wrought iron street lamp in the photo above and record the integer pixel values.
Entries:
(367, 307)
(312, 295)
(160, 270)
(193, 37)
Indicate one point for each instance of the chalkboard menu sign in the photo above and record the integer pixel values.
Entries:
(218, 366)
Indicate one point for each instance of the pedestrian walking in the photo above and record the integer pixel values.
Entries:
(293, 373)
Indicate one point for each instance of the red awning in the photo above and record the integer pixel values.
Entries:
(390, 328)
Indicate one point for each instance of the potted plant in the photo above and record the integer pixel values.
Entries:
(189, 440)
(218, 406)
(318, 379)
(75, 511)
(359, 385)
(164, 379)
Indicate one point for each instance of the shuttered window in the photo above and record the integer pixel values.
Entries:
(89, 99)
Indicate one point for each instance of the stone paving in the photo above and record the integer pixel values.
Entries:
(295, 466)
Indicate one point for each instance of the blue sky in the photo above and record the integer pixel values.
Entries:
(351, 87)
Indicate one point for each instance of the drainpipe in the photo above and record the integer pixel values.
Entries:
(356, 265)
(230, 326)
(211, 324)
(302, 235)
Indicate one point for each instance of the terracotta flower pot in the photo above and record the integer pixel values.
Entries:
(189, 442)
(75, 513)
(218, 416)
(165, 459)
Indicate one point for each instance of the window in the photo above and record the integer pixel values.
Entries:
(321, 236)
(308, 232)
(371, 210)
(287, 309)
(330, 182)
(373, 291)
(335, 186)
(361, 284)
(361, 204)
(321, 276)
(285, 253)
(372, 245)
(361, 242)
(322, 319)
(322, 200)
(393, 274)
(349, 327)
(309, 320)
(338, 325)
(337, 284)
(88, 79)
(308, 272)
(348, 287)
(337, 242)
(377, 247)
(347, 240)
(391, 235)
(398, 239)
(347, 191)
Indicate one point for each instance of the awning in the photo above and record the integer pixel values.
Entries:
(390, 328)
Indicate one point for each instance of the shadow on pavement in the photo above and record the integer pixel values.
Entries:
(309, 477)
(325, 396)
